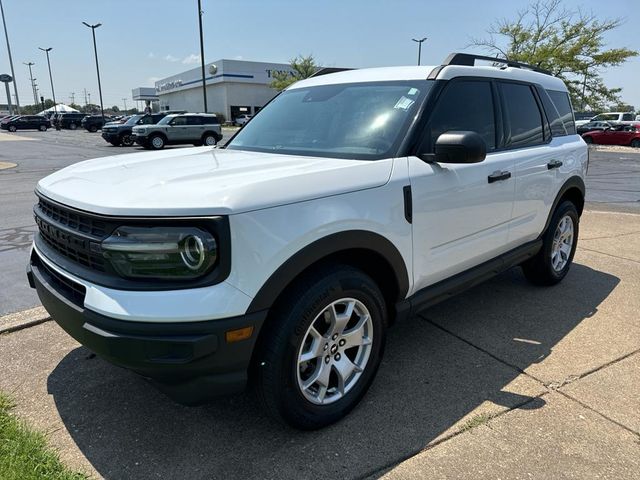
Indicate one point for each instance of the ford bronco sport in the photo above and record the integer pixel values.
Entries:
(349, 202)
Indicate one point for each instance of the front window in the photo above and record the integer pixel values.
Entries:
(607, 117)
(359, 120)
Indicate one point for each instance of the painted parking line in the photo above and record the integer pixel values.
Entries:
(7, 137)
(6, 165)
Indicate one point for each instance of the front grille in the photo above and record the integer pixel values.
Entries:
(71, 290)
(71, 234)
(72, 220)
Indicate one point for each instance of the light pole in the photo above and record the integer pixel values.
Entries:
(6, 36)
(33, 88)
(95, 51)
(53, 92)
(419, 42)
(204, 82)
(125, 105)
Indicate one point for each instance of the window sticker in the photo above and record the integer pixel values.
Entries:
(412, 91)
(404, 103)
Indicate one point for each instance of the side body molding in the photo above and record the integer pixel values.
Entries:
(334, 244)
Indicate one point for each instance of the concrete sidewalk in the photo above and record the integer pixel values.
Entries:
(504, 381)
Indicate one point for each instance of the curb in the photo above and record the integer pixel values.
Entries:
(24, 319)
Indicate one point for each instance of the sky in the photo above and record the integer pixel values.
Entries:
(141, 41)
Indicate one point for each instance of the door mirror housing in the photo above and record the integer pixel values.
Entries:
(457, 147)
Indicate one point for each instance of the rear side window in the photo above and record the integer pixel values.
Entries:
(523, 116)
(553, 116)
(468, 106)
(210, 120)
(627, 117)
(194, 121)
(563, 105)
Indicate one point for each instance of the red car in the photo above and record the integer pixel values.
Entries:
(628, 135)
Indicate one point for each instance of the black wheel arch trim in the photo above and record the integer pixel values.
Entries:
(572, 182)
(323, 248)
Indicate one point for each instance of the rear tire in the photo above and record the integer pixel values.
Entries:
(209, 139)
(42, 128)
(635, 143)
(93, 129)
(325, 312)
(73, 126)
(551, 264)
(12, 128)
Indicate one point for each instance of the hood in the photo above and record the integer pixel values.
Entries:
(206, 181)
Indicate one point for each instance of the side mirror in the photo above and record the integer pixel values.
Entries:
(458, 147)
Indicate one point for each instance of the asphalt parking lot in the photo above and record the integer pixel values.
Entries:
(503, 381)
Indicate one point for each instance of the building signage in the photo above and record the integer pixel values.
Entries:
(213, 69)
(271, 72)
(161, 87)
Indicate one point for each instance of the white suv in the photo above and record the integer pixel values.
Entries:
(352, 200)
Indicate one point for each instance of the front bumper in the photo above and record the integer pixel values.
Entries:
(111, 136)
(140, 139)
(191, 362)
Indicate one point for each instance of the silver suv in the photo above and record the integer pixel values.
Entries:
(196, 128)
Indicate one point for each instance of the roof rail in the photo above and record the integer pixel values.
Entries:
(469, 60)
(328, 70)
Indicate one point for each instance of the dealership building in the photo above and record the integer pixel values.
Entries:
(234, 87)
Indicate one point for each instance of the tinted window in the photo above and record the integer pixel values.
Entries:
(145, 121)
(563, 105)
(194, 121)
(465, 105)
(627, 117)
(556, 123)
(523, 117)
(179, 121)
(210, 120)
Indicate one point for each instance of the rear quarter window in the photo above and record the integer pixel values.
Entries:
(523, 116)
(563, 105)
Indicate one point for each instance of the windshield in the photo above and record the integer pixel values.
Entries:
(361, 121)
(165, 120)
(133, 119)
(606, 116)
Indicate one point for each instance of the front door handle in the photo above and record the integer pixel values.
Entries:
(554, 164)
(498, 176)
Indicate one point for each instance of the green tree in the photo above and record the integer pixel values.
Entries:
(569, 43)
(114, 108)
(301, 67)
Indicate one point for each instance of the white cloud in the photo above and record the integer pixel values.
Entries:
(171, 58)
(191, 59)
(151, 55)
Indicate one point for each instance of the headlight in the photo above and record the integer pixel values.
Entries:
(139, 130)
(161, 252)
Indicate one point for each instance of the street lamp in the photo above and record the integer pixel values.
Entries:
(95, 51)
(204, 83)
(125, 105)
(419, 42)
(53, 92)
(35, 98)
(6, 36)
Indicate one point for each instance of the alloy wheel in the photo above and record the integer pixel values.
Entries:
(334, 351)
(562, 243)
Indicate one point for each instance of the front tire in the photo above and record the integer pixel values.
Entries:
(588, 140)
(635, 143)
(209, 139)
(322, 348)
(157, 142)
(93, 129)
(42, 128)
(126, 140)
(551, 264)
(73, 126)
(12, 128)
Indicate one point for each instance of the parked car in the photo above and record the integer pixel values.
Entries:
(613, 117)
(240, 120)
(7, 119)
(195, 128)
(592, 126)
(70, 120)
(93, 123)
(26, 122)
(120, 133)
(626, 135)
(351, 201)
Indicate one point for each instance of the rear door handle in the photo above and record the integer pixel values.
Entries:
(498, 176)
(554, 164)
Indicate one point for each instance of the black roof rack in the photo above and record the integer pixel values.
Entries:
(469, 60)
(328, 70)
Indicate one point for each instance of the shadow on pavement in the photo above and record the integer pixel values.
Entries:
(428, 381)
